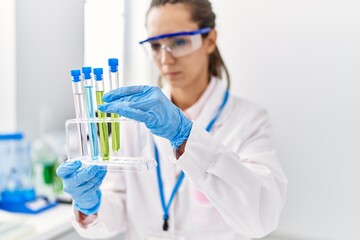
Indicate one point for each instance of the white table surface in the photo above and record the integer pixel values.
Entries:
(46, 225)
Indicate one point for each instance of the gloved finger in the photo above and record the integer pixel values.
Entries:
(68, 168)
(142, 104)
(131, 98)
(123, 92)
(83, 175)
(93, 183)
(88, 192)
(148, 104)
(124, 109)
(90, 201)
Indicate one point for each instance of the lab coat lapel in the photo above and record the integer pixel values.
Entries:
(212, 106)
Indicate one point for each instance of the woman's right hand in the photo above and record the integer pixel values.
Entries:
(82, 183)
(149, 105)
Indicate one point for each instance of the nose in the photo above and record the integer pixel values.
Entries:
(166, 57)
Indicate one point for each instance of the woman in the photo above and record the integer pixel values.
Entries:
(226, 182)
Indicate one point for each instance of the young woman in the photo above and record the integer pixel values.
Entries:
(225, 181)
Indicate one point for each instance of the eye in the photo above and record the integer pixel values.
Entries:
(179, 42)
(155, 46)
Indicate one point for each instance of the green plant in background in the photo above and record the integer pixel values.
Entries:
(50, 178)
(48, 153)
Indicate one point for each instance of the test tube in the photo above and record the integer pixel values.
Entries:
(104, 132)
(79, 107)
(114, 84)
(88, 86)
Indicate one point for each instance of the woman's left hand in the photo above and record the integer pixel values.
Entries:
(149, 105)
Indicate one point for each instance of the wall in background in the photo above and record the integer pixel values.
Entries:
(138, 68)
(104, 34)
(113, 29)
(301, 60)
(50, 42)
(7, 66)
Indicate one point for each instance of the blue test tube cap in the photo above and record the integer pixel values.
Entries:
(11, 136)
(87, 73)
(113, 64)
(98, 74)
(75, 74)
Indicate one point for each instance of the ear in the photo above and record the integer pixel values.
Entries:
(210, 41)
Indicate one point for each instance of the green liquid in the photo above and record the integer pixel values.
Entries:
(115, 133)
(104, 132)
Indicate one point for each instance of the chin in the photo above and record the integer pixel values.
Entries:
(176, 83)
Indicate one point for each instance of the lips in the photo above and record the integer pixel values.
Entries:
(172, 74)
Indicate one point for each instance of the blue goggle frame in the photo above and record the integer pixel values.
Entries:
(200, 31)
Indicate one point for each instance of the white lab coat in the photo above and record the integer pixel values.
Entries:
(234, 166)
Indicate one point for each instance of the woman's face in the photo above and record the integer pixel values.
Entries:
(186, 71)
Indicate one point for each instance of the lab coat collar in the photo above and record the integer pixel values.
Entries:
(194, 111)
(212, 104)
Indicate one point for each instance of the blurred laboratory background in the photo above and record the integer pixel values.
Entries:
(300, 59)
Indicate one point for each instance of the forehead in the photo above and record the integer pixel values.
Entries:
(169, 18)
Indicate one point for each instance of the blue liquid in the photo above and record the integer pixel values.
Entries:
(94, 145)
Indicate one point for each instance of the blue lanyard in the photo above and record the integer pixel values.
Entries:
(182, 175)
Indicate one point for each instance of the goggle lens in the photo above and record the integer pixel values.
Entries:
(178, 46)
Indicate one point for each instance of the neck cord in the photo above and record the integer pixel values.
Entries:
(182, 175)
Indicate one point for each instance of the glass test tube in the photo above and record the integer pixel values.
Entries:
(88, 86)
(114, 84)
(103, 127)
(79, 108)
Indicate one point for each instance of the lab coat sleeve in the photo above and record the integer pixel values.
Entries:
(245, 184)
(111, 218)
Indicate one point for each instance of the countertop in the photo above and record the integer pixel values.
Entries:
(42, 226)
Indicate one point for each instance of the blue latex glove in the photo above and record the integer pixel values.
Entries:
(82, 183)
(149, 105)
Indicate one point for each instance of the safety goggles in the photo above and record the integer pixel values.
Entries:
(178, 44)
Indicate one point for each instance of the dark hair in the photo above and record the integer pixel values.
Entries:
(202, 14)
